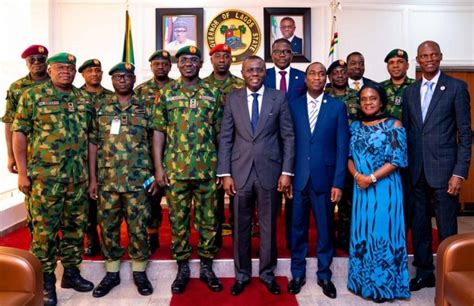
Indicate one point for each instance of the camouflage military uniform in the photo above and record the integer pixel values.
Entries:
(225, 87)
(124, 163)
(13, 96)
(395, 95)
(191, 119)
(97, 97)
(149, 92)
(56, 126)
(351, 99)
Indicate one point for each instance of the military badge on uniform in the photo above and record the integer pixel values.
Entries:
(70, 58)
(400, 53)
(40, 49)
(128, 66)
(124, 120)
(70, 107)
(398, 100)
(192, 50)
(192, 103)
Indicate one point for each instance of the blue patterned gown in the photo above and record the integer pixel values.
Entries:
(378, 258)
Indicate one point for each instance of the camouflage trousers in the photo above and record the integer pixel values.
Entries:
(134, 207)
(58, 207)
(180, 196)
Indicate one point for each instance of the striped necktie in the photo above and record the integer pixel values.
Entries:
(313, 111)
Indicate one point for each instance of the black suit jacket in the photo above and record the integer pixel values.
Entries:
(441, 145)
(271, 149)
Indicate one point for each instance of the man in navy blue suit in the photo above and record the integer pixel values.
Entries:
(287, 29)
(322, 144)
(291, 81)
(437, 118)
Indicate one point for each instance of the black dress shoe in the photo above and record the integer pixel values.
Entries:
(110, 280)
(418, 283)
(49, 289)
(73, 279)
(328, 288)
(238, 287)
(294, 287)
(143, 284)
(182, 278)
(207, 276)
(272, 286)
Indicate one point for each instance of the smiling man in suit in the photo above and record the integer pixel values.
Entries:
(322, 145)
(436, 116)
(256, 155)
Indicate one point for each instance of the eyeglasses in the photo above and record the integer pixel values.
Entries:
(41, 59)
(119, 77)
(282, 52)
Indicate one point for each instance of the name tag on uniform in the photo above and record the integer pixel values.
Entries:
(115, 128)
(192, 103)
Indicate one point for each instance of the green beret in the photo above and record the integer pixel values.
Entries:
(122, 67)
(160, 54)
(188, 50)
(335, 64)
(90, 63)
(62, 57)
(396, 53)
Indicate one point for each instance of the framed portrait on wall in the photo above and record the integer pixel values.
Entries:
(293, 24)
(177, 28)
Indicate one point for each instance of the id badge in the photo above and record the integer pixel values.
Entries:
(115, 128)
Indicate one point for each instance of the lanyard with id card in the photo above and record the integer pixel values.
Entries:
(115, 128)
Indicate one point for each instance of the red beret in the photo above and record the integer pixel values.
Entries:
(35, 49)
(220, 47)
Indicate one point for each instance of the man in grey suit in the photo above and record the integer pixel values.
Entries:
(256, 155)
(436, 116)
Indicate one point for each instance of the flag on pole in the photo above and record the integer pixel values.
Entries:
(128, 56)
(333, 46)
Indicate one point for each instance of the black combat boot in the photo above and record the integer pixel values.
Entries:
(110, 280)
(207, 276)
(49, 289)
(73, 279)
(143, 284)
(182, 277)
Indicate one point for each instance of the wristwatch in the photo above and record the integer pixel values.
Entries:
(373, 178)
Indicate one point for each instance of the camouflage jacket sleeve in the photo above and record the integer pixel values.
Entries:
(160, 118)
(218, 114)
(10, 107)
(23, 121)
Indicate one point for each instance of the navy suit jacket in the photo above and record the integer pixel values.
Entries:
(321, 155)
(296, 86)
(441, 145)
(297, 45)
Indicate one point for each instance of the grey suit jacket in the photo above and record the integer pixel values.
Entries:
(270, 150)
(440, 145)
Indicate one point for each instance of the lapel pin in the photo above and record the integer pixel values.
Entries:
(296, 77)
(442, 88)
(324, 101)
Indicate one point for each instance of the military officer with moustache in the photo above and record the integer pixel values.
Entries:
(340, 89)
(119, 146)
(160, 64)
(91, 71)
(188, 117)
(52, 123)
(397, 67)
(35, 57)
(226, 82)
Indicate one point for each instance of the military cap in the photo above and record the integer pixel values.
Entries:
(122, 67)
(188, 50)
(160, 54)
(335, 64)
(89, 63)
(62, 57)
(33, 50)
(396, 53)
(220, 48)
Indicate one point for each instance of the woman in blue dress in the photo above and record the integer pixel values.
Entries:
(378, 267)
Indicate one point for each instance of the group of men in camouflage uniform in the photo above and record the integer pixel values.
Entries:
(127, 149)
